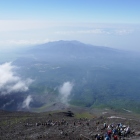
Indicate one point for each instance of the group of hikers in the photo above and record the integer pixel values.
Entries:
(105, 131)
(114, 132)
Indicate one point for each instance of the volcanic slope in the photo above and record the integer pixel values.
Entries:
(69, 124)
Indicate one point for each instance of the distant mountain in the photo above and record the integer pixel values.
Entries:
(70, 50)
(69, 47)
(101, 76)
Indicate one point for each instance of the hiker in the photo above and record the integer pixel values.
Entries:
(98, 137)
(97, 123)
(119, 133)
(114, 131)
(109, 132)
(109, 127)
(115, 137)
(123, 133)
(87, 123)
(102, 138)
(112, 126)
(120, 125)
(127, 130)
(107, 138)
(105, 125)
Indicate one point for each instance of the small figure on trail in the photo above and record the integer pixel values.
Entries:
(107, 138)
(112, 126)
(115, 137)
(114, 131)
(87, 123)
(105, 125)
(109, 127)
(67, 123)
(97, 123)
(120, 125)
(102, 138)
(127, 130)
(109, 133)
(98, 137)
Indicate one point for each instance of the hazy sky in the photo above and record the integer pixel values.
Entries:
(112, 23)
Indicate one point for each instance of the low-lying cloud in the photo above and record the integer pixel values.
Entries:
(27, 101)
(23, 42)
(7, 104)
(65, 91)
(98, 31)
(10, 81)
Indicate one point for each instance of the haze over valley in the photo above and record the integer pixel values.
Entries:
(72, 73)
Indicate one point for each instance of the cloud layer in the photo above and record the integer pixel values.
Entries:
(27, 101)
(10, 82)
(65, 91)
(18, 33)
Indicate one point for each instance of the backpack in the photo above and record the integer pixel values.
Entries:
(107, 138)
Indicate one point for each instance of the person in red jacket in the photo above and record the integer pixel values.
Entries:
(115, 137)
(109, 133)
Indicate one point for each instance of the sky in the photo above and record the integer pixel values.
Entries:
(111, 23)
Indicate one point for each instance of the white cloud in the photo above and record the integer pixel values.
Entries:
(12, 42)
(8, 103)
(65, 91)
(102, 31)
(92, 31)
(27, 101)
(19, 33)
(123, 31)
(10, 82)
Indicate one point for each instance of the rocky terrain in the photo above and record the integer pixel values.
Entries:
(66, 124)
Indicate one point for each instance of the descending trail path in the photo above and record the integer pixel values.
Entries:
(62, 125)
